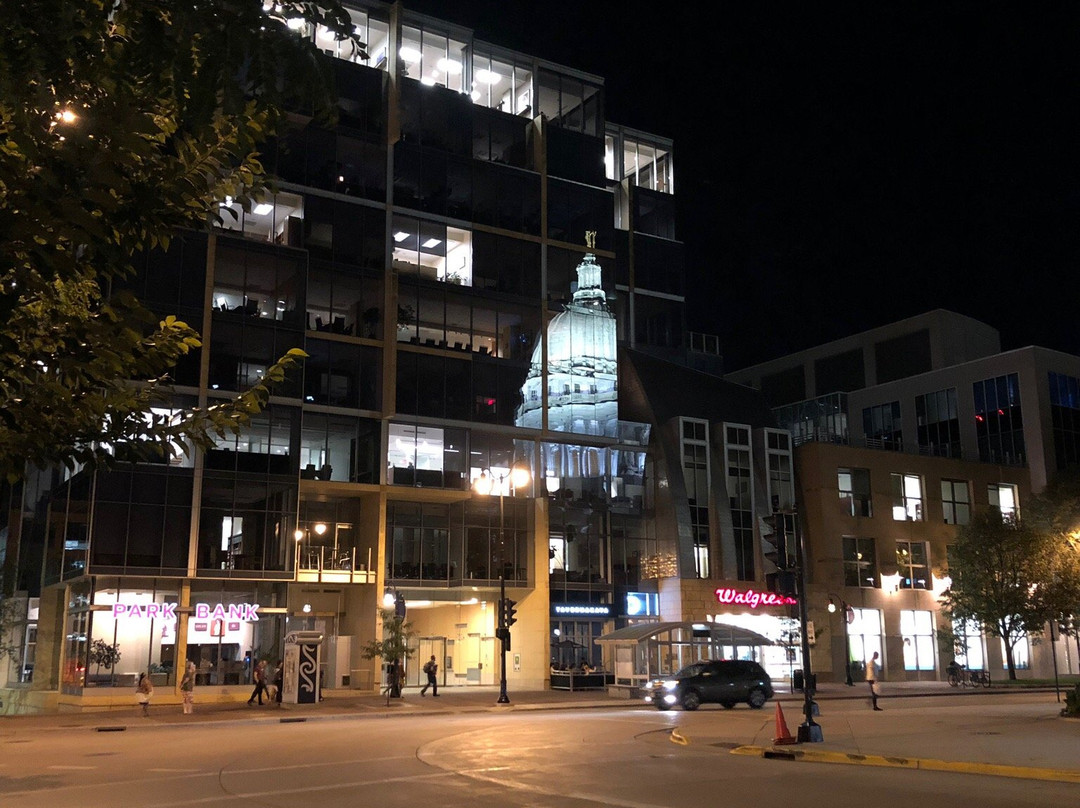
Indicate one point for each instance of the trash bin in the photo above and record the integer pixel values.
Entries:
(797, 679)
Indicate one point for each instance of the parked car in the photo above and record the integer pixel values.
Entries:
(725, 682)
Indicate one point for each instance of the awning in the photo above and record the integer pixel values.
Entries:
(718, 632)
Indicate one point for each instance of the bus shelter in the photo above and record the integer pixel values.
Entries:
(646, 651)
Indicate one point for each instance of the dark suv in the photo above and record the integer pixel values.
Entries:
(725, 682)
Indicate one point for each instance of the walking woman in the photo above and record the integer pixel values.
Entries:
(187, 688)
(144, 690)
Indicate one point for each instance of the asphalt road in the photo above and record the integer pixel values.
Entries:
(563, 759)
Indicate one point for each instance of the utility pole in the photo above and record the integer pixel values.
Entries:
(809, 730)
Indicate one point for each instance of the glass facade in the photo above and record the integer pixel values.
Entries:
(999, 425)
(1065, 416)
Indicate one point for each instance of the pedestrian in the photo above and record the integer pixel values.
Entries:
(872, 670)
(187, 688)
(144, 691)
(279, 681)
(431, 668)
(259, 674)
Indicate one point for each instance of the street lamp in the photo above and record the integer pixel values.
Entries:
(848, 616)
(488, 480)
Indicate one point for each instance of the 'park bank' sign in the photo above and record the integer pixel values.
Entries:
(735, 597)
(203, 611)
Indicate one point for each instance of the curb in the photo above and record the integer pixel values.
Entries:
(926, 764)
(291, 717)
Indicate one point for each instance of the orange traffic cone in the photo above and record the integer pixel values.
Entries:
(783, 735)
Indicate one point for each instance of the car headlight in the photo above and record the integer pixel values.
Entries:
(669, 699)
(669, 684)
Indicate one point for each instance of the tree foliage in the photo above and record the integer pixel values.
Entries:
(995, 566)
(394, 647)
(1013, 576)
(120, 124)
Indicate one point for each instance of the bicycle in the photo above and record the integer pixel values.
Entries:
(977, 678)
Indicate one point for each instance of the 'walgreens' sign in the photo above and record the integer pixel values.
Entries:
(729, 596)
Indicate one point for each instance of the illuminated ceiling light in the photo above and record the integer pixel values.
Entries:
(475, 95)
(262, 209)
(409, 55)
(67, 116)
(298, 534)
(449, 66)
(320, 528)
(488, 76)
(400, 236)
(427, 81)
(307, 608)
(432, 242)
(296, 23)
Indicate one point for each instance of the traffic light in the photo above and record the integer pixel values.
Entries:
(509, 610)
(501, 624)
(780, 533)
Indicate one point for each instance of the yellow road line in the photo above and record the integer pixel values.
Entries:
(927, 764)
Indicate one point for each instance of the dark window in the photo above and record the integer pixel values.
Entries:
(1065, 417)
(574, 156)
(854, 489)
(784, 387)
(654, 213)
(860, 562)
(999, 424)
(902, 356)
(938, 423)
(574, 210)
(658, 264)
(840, 373)
(882, 428)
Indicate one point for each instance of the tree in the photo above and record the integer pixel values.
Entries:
(1056, 514)
(393, 649)
(997, 567)
(120, 124)
(103, 654)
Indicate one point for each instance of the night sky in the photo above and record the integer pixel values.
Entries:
(841, 166)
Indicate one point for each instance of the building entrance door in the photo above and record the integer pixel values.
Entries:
(488, 674)
(427, 647)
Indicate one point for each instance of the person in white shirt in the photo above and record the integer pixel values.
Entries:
(872, 669)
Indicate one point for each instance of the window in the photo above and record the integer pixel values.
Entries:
(853, 486)
(882, 428)
(864, 636)
(695, 450)
(1003, 497)
(956, 502)
(433, 250)
(1021, 655)
(907, 499)
(1065, 416)
(999, 425)
(427, 456)
(913, 565)
(938, 423)
(917, 629)
(860, 562)
(969, 648)
(740, 497)
(778, 456)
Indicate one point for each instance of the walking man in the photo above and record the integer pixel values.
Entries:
(260, 683)
(431, 668)
(872, 669)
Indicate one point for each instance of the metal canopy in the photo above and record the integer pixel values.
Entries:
(718, 632)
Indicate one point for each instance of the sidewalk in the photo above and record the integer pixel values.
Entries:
(990, 731)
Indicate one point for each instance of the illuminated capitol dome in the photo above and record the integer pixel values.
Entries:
(582, 375)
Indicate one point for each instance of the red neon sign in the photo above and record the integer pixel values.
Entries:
(754, 600)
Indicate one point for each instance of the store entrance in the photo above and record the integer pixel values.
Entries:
(425, 649)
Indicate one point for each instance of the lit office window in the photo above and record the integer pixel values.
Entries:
(907, 497)
(917, 629)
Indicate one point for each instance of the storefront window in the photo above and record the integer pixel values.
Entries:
(132, 630)
(76, 631)
(225, 644)
(917, 629)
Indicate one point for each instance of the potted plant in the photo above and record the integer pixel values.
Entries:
(103, 655)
